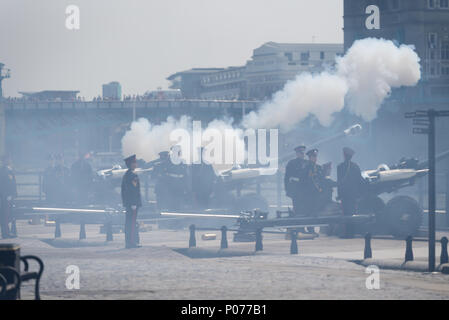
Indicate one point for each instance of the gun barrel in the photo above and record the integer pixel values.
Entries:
(438, 157)
(351, 131)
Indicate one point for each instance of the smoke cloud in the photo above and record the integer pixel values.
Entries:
(360, 80)
(372, 67)
(147, 140)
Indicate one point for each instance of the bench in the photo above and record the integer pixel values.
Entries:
(26, 275)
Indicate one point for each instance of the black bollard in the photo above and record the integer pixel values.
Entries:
(192, 240)
(224, 238)
(109, 236)
(408, 249)
(443, 256)
(58, 229)
(294, 243)
(259, 245)
(82, 231)
(14, 228)
(367, 254)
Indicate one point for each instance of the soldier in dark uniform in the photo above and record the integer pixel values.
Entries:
(60, 182)
(203, 179)
(131, 201)
(82, 177)
(314, 184)
(328, 184)
(295, 178)
(349, 187)
(48, 180)
(159, 174)
(8, 191)
(177, 181)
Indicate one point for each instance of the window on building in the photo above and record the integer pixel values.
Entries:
(322, 55)
(432, 40)
(305, 56)
(445, 51)
(431, 4)
(444, 4)
(432, 55)
(289, 55)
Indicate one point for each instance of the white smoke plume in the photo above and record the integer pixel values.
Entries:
(147, 140)
(361, 80)
(372, 67)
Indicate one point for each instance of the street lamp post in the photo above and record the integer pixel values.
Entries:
(426, 119)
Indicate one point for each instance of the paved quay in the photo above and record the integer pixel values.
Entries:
(323, 269)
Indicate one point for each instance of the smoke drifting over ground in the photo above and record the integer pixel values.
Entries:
(361, 80)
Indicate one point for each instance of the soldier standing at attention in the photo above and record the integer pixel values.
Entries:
(315, 178)
(131, 201)
(349, 185)
(61, 181)
(203, 179)
(294, 180)
(8, 191)
(82, 178)
(48, 181)
(160, 175)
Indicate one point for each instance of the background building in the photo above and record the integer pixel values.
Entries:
(51, 95)
(112, 91)
(189, 81)
(273, 64)
(270, 67)
(225, 84)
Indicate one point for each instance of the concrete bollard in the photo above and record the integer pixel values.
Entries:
(444, 256)
(259, 245)
(58, 229)
(367, 254)
(109, 236)
(14, 228)
(409, 249)
(294, 243)
(224, 238)
(192, 239)
(82, 231)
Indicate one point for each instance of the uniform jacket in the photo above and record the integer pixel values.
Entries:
(131, 190)
(315, 178)
(295, 176)
(350, 182)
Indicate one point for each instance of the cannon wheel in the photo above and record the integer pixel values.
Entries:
(371, 205)
(250, 202)
(404, 216)
(374, 205)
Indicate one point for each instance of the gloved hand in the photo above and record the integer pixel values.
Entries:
(134, 207)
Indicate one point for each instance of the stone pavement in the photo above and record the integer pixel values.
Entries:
(322, 269)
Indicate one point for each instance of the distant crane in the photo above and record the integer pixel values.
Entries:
(4, 74)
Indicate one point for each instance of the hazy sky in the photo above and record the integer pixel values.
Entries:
(141, 42)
